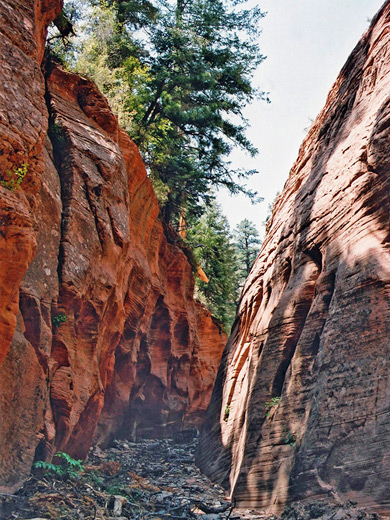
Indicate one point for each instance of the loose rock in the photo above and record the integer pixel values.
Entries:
(139, 481)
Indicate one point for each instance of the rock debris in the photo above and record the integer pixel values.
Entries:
(144, 480)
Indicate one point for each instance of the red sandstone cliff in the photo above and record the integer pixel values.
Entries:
(313, 325)
(99, 332)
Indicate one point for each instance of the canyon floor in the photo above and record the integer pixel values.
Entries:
(149, 479)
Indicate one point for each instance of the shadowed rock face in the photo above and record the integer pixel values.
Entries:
(313, 326)
(99, 332)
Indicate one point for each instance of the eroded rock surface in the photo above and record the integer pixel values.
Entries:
(23, 127)
(301, 408)
(99, 332)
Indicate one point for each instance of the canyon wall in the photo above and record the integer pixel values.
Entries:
(301, 407)
(99, 331)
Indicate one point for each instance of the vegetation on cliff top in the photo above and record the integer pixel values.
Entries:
(225, 257)
(178, 74)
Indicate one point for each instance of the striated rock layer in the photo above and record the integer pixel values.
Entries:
(99, 332)
(301, 407)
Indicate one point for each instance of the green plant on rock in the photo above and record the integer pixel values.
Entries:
(68, 467)
(57, 133)
(227, 413)
(271, 405)
(288, 437)
(58, 320)
(15, 178)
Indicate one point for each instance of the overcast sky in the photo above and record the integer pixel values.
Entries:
(306, 43)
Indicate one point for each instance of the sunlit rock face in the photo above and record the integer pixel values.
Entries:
(301, 407)
(99, 332)
(23, 126)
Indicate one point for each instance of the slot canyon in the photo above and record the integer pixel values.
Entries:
(103, 342)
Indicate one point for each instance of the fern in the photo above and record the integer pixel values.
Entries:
(69, 468)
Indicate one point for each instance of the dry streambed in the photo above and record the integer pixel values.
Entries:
(150, 479)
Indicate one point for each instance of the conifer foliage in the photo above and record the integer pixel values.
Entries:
(179, 74)
(247, 242)
(201, 62)
(210, 238)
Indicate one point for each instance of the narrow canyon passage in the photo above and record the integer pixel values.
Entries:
(118, 387)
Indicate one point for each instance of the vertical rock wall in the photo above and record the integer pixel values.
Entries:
(99, 332)
(301, 407)
(23, 126)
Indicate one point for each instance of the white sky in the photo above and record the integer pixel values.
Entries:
(306, 43)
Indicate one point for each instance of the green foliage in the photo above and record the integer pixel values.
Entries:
(111, 57)
(247, 242)
(68, 468)
(116, 489)
(270, 405)
(201, 62)
(178, 74)
(60, 45)
(15, 177)
(133, 13)
(58, 320)
(227, 413)
(49, 468)
(95, 479)
(288, 437)
(210, 239)
(56, 133)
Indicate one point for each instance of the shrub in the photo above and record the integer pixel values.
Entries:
(15, 178)
(270, 405)
(58, 320)
(288, 437)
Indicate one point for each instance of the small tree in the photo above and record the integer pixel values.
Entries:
(210, 239)
(247, 242)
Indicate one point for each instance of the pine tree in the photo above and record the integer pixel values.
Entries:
(210, 238)
(201, 61)
(179, 84)
(247, 242)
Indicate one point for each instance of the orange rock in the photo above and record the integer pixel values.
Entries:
(313, 325)
(23, 125)
(107, 332)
